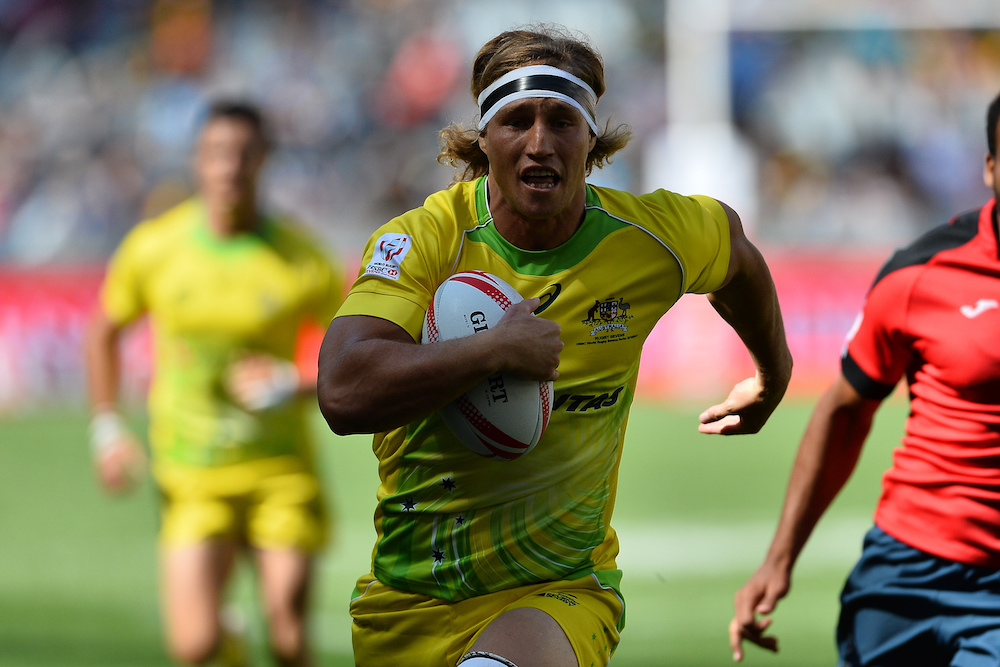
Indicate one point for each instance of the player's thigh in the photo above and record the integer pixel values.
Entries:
(980, 650)
(885, 617)
(285, 576)
(395, 627)
(193, 577)
(584, 617)
(194, 511)
(199, 534)
(901, 606)
(880, 633)
(527, 637)
(973, 619)
(284, 581)
(398, 627)
(287, 511)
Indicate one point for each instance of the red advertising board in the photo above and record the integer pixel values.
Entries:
(690, 355)
(693, 354)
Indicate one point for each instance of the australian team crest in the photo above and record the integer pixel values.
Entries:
(608, 309)
(608, 319)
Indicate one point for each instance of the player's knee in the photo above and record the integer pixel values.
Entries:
(193, 649)
(286, 632)
(484, 659)
(287, 645)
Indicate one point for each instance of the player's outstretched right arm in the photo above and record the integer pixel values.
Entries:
(826, 458)
(374, 377)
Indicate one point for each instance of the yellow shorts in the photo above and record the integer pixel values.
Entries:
(273, 503)
(393, 627)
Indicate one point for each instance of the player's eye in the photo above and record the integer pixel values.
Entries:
(564, 121)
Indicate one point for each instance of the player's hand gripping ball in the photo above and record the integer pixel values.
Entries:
(502, 416)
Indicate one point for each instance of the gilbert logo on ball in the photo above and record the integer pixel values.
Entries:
(502, 417)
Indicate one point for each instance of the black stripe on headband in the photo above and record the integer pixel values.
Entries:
(556, 84)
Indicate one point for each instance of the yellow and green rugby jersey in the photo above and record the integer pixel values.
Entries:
(210, 300)
(453, 524)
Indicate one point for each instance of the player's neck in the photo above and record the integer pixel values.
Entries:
(225, 219)
(529, 233)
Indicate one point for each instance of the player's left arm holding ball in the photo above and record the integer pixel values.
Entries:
(374, 377)
(748, 302)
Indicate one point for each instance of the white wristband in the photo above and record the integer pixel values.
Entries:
(106, 428)
(281, 385)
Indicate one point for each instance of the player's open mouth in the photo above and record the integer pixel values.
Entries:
(542, 179)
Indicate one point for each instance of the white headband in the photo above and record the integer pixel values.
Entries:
(538, 81)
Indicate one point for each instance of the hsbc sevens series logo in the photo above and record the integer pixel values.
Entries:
(388, 255)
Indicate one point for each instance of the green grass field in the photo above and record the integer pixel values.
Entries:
(694, 512)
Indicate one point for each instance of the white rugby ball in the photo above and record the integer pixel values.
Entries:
(502, 416)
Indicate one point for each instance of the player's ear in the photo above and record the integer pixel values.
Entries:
(482, 141)
(989, 172)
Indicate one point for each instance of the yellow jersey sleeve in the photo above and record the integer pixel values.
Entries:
(123, 295)
(325, 279)
(401, 268)
(330, 293)
(712, 225)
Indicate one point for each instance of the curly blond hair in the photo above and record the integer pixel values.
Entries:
(539, 45)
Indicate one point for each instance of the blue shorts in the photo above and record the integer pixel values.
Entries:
(904, 607)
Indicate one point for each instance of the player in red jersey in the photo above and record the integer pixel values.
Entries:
(926, 590)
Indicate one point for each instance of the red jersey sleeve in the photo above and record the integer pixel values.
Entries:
(877, 351)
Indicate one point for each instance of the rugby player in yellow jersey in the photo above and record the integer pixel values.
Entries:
(489, 563)
(227, 290)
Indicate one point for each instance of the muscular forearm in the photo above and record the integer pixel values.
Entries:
(749, 303)
(118, 458)
(827, 455)
(102, 363)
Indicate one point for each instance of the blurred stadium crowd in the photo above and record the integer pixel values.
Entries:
(867, 136)
(861, 136)
(99, 100)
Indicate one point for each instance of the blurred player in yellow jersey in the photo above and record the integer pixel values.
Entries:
(227, 290)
